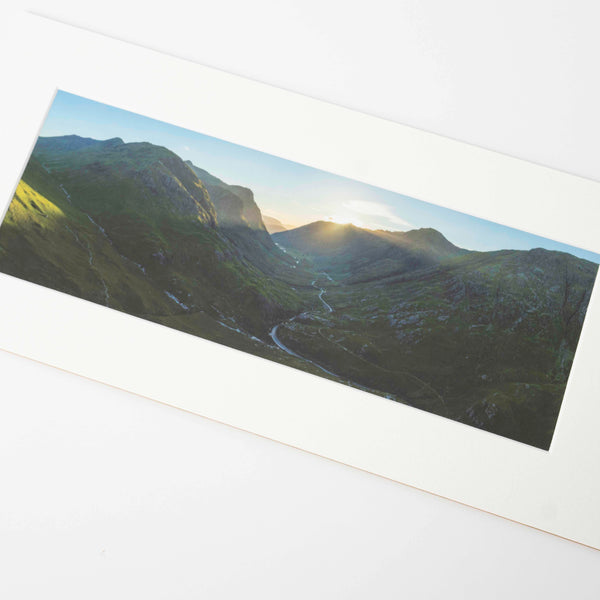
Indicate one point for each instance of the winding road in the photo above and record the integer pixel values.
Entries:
(323, 301)
(283, 347)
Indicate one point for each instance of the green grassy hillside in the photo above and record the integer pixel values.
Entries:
(484, 338)
(132, 227)
(487, 339)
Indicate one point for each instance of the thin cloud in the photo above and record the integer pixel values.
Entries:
(376, 209)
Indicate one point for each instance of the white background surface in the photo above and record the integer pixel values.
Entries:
(106, 493)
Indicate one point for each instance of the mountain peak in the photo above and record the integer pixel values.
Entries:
(234, 204)
(361, 254)
(274, 225)
(64, 143)
(427, 239)
(116, 141)
(145, 178)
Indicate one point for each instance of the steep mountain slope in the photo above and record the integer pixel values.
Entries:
(354, 254)
(241, 221)
(486, 338)
(234, 204)
(274, 225)
(132, 227)
(137, 179)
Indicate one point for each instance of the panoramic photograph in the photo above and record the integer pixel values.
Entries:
(419, 304)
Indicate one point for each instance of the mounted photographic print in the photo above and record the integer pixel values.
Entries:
(413, 306)
(425, 306)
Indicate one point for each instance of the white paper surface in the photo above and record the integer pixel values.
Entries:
(556, 491)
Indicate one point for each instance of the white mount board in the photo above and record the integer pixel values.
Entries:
(557, 491)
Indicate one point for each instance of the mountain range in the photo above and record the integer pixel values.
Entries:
(484, 338)
(133, 227)
(353, 254)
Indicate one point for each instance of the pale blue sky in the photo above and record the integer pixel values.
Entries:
(293, 193)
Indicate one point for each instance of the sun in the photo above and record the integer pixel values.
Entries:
(345, 220)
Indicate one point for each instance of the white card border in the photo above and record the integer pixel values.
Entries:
(556, 491)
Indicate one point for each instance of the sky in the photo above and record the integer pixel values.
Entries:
(295, 194)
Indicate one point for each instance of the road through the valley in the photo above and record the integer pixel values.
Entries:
(283, 347)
